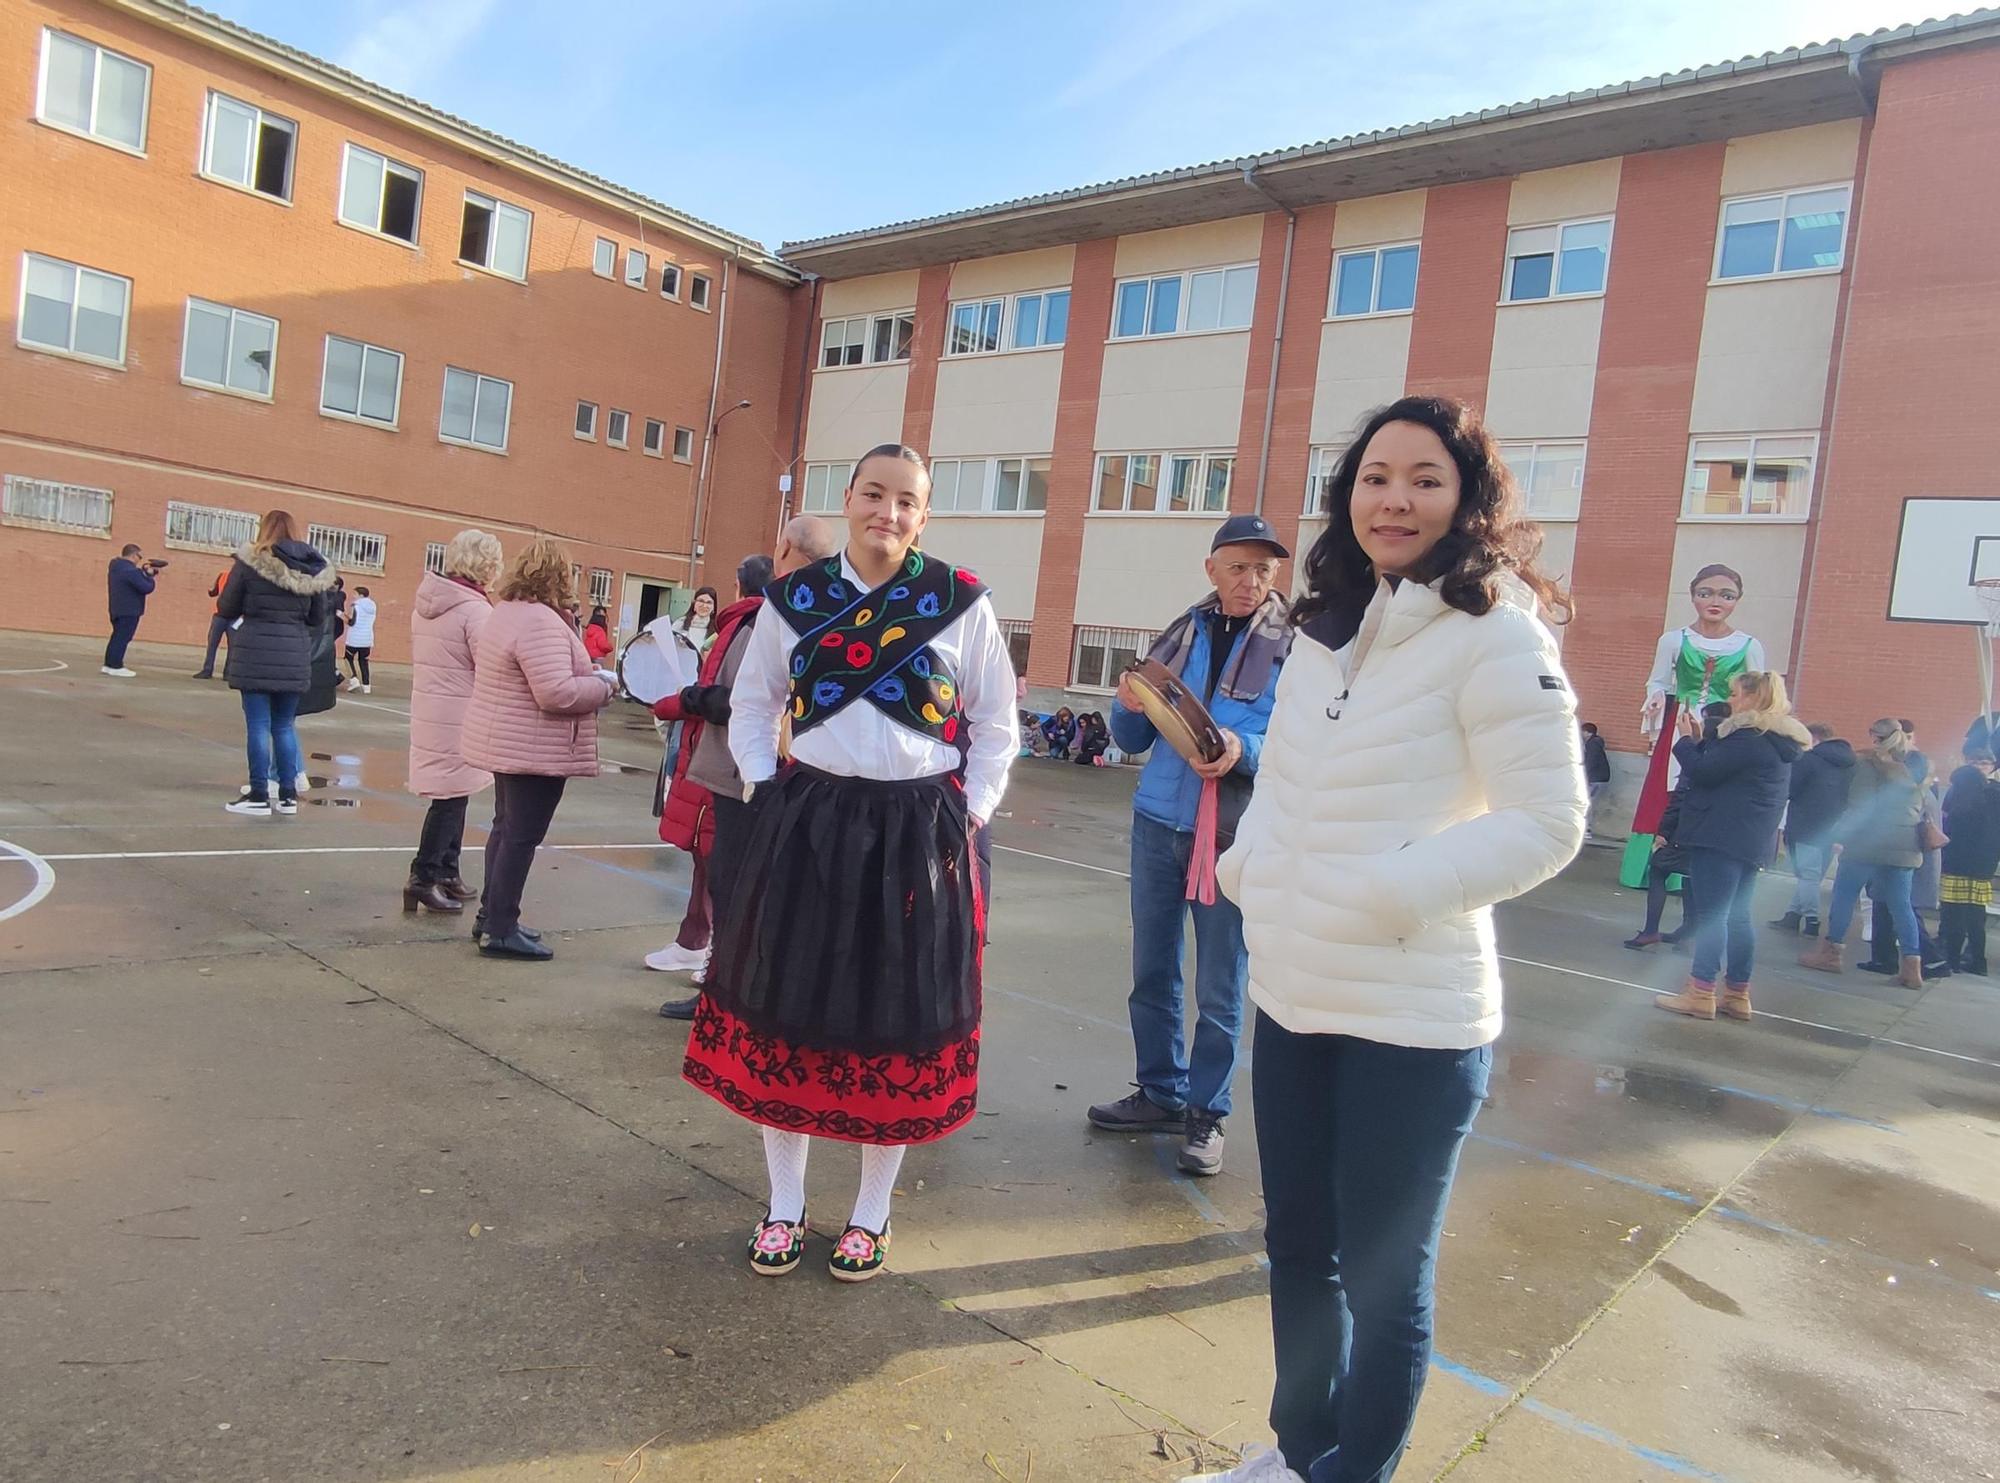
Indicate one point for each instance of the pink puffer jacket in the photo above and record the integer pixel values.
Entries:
(535, 696)
(445, 619)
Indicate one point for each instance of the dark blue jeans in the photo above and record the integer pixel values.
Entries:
(273, 741)
(122, 630)
(1168, 1075)
(1722, 887)
(1359, 1142)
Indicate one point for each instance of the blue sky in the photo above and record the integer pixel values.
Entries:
(788, 119)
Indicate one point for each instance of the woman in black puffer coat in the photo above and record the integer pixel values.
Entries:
(278, 588)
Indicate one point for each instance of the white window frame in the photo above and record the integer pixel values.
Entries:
(701, 292)
(581, 435)
(604, 248)
(598, 594)
(263, 118)
(978, 312)
(1690, 516)
(82, 499)
(69, 352)
(1018, 628)
(215, 528)
(683, 445)
(396, 421)
(1007, 323)
(1110, 641)
(949, 473)
(350, 550)
(96, 91)
(638, 257)
(1163, 463)
(480, 382)
(653, 440)
(613, 437)
(1534, 450)
(229, 350)
(496, 209)
(1186, 298)
(670, 280)
(869, 329)
(1321, 462)
(1374, 309)
(822, 486)
(1783, 198)
(1555, 293)
(434, 557)
(390, 165)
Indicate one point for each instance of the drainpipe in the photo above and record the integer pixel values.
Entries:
(1864, 87)
(708, 436)
(1278, 336)
(806, 345)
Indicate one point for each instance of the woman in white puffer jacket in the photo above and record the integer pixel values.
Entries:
(1423, 763)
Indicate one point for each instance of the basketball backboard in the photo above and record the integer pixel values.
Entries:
(1945, 546)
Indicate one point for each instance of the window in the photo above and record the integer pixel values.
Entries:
(1040, 319)
(208, 527)
(618, 429)
(378, 194)
(1798, 232)
(246, 146)
(604, 258)
(350, 550)
(73, 310)
(670, 280)
(1018, 632)
(637, 265)
(655, 443)
(1103, 654)
(874, 341)
(1006, 485)
(364, 382)
(1560, 261)
(890, 337)
(697, 290)
(1375, 280)
(229, 349)
(684, 444)
(43, 504)
(586, 420)
(975, 326)
(825, 484)
(434, 557)
(475, 409)
(1211, 299)
(1761, 477)
(1319, 478)
(1024, 322)
(1169, 483)
(600, 587)
(1550, 476)
(494, 236)
(88, 90)
(842, 342)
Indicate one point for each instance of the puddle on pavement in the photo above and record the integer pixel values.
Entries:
(1536, 1079)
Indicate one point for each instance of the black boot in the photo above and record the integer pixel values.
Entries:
(1789, 922)
(517, 944)
(680, 1009)
(479, 929)
(1809, 927)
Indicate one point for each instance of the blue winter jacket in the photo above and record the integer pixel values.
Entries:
(129, 583)
(1168, 788)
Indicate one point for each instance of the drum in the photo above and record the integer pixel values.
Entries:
(1182, 721)
(657, 664)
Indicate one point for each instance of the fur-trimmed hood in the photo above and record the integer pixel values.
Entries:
(291, 565)
(1776, 723)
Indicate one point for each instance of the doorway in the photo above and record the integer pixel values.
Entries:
(646, 598)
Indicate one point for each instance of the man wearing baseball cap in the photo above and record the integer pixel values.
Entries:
(1227, 650)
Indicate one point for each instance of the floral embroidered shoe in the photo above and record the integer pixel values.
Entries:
(858, 1254)
(776, 1246)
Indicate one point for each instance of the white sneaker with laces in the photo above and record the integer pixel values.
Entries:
(1260, 1465)
(120, 673)
(673, 958)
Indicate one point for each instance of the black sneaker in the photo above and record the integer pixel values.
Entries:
(1201, 1153)
(1137, 1113)
(256, 808)
(1809, 927)
(285, 805)
(680, 1009)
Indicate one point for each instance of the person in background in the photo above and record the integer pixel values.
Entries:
(1228, 650)
(1884, 946)
(1971, 857)
(360, 640)
(278, 588)
(1738, 784)
(1093, 739)
(1879, 849)
(597, 636)
(700, 617)
(446, 618)
(131, 580)
(1596, 773)
(218, 626)
(1060, 729)
(1034, 741)
(1669, 859)
(531, 722)
(1820, 780)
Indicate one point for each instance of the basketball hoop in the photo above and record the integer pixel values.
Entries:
(1986, 592)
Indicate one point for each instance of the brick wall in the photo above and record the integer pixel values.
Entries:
(1458, 290)
(926, 347)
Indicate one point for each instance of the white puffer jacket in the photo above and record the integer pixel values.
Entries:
(1375, 844)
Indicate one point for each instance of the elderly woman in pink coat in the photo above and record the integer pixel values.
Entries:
(532, 724)
(445, 620)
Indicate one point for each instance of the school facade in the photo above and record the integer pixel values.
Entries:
(1746, 314)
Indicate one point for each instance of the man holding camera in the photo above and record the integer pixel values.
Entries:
(131, 579)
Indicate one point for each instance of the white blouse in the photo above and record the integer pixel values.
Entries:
(859, 741)
(1661, 680)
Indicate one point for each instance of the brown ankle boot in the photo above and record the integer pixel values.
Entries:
(457, 889)
(1735, 1001)
(1825, 957)
(1912, 976)
(1696, 1001)
(430, 896)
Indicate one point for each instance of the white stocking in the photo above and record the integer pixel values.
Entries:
(785, 1155)
(879, 1167)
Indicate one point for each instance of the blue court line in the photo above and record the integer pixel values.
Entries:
(1811, 1109)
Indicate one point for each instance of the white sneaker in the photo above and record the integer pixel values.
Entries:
(256, 808)
(1259, 1465)
(367, 689)
(353, 685)
(673, 958)
(302, 784)
(123, 674)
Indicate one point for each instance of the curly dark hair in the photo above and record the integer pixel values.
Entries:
(1490, 532)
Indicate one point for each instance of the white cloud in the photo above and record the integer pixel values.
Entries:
(407, 46)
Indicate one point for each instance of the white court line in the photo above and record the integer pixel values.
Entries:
(320, 849)
(45, 879)
(1058, 860)
(46, 669)
(371, 705)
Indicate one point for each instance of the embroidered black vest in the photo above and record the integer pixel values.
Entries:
(876, 645)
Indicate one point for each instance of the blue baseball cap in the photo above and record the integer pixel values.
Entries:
(1244, 530)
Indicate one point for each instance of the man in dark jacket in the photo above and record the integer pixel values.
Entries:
(1818, 799)
(130, 580)
(1971, 856)
(1596, 773)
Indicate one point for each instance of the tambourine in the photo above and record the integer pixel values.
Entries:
(649, 671)
(1182, 721)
